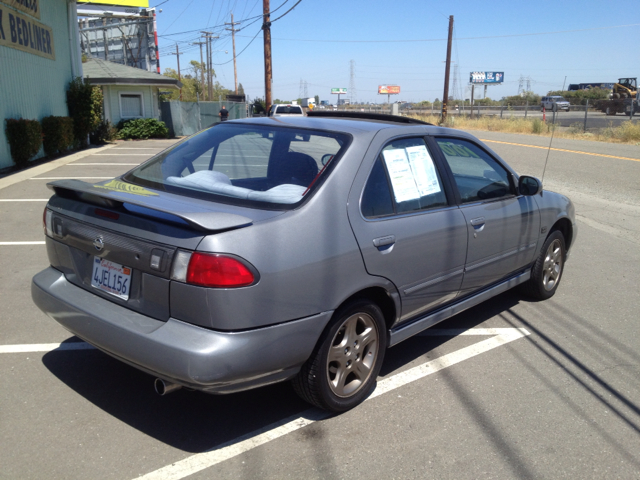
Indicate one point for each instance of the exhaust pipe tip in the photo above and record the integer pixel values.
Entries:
(164, 388)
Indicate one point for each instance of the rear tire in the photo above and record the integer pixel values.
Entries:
(547, 270)
(344, 366)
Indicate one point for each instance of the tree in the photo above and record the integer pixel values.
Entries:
(317, 98)
(192, 88)
(240, 89)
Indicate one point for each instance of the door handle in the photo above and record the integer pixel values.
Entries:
(478, 225)
(382, 241)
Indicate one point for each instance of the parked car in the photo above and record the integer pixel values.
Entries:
(278, 110)
(554, 103)
(264, 250)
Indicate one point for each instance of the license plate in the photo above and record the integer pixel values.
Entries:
(111, 277)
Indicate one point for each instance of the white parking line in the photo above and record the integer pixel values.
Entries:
(4, 244)
(96, 163)
(45, 347)
(121, 154)
(233, 448)
(24, 199)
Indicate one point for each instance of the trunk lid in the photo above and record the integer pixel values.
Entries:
(121, 225)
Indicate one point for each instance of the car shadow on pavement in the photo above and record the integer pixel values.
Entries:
(197, 422)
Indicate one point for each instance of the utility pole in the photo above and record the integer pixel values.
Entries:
(208, 36)
(202, 66)
(266, 29)
(233, 39)
(446, 73)
(177, 54)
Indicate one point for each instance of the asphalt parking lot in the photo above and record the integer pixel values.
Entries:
(509, 389)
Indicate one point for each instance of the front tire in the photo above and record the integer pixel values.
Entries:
(343, 368)
(547, 271)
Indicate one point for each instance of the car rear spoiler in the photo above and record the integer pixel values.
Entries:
(115, 193)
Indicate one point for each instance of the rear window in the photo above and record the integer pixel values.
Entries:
(245, 164)
(289, 110)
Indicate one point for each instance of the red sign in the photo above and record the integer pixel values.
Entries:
(388, 89)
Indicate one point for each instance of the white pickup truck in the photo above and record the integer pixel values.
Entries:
(277, 110)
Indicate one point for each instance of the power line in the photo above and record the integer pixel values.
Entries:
(462, 38)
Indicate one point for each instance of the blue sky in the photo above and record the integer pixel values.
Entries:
(404, 43)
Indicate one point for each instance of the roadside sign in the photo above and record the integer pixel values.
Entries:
(486, 77)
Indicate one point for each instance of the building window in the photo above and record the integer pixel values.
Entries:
(131, 105)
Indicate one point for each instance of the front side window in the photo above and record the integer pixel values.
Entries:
(477, 175)
(244, 163)
(404, 179)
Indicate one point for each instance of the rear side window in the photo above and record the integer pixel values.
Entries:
(404, 179)
(478, 176)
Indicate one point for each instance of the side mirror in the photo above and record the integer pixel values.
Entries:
(529, 186)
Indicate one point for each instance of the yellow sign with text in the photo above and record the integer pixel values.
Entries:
(120, 3)
(23, 33)
(30, 7)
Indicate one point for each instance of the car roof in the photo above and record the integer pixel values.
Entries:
(355, 124)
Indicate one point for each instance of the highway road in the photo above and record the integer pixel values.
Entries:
(574, 117)
(509, 389)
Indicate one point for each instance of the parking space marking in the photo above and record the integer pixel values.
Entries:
(87, 164)
(560, 150)
(45, 347)
(220, 453)
(24, 199)
(5, 244)
(121, 154)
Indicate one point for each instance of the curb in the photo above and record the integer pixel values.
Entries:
(46, 167)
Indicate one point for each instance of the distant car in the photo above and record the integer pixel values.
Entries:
(298, 248)
(554, 103)
(280, 109)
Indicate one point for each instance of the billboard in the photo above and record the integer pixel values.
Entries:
(338, 91)
(120, 3)
(388, 89)
(486, 77)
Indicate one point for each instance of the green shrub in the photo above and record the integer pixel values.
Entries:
(104, 133)
(142, 128)
(57, 134)
(25, 139)
(85, 107)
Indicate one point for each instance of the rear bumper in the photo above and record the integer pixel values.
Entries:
(216, 362)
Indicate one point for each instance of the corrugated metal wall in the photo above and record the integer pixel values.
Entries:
(31, 86)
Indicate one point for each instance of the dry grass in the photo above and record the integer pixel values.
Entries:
(626, 132)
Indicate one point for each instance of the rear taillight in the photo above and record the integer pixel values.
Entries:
(211, 270)
(215, 270)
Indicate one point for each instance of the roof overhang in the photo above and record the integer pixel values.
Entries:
(139, 82)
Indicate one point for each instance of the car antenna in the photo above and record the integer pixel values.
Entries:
(553, 130)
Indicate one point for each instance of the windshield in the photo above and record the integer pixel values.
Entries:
(243, 164)
(559, 99)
